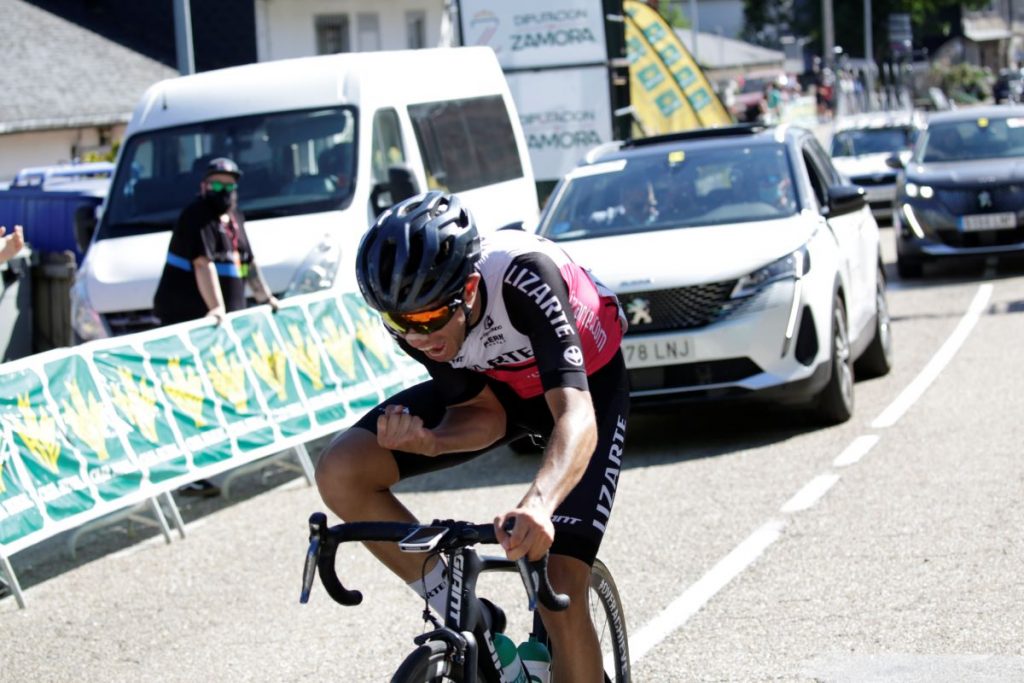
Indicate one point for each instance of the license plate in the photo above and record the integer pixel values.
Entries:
(989, 221)
(647, 353)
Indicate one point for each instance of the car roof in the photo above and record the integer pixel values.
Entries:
(716, 137)
(974, 113)
(882, 119)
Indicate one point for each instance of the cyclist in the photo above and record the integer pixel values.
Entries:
(517, 339)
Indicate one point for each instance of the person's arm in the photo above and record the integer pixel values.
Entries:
(259, 287)
(565, 459)
(209, 286)
(539, 305)
(468, 426)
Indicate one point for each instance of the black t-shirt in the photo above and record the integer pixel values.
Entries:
(200, 232)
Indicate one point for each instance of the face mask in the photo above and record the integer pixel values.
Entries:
(219, 202)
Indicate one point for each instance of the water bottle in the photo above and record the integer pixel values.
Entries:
(512, 670)
(536, 659)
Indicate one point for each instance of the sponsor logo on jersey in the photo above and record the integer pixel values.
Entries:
(573, 356)
(531, 284)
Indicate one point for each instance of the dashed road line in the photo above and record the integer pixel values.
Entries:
(940, 360)
(693, 599)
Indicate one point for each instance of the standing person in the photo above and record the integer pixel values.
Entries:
(209, 263)
(10, 244)
(517, 339)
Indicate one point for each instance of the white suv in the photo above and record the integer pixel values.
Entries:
(746, 266)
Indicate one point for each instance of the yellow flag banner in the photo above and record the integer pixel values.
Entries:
(668, 90)
(96, 428)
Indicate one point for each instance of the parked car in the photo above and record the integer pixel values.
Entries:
(747, 267)
(961, 193)
(1009, 86)
(861, 146)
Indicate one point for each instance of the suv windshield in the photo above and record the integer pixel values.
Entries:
(981, 138)
(851, 143)
(292, 163)
(673, 189)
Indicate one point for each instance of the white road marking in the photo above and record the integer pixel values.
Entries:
(856, 450)
(917, 387)
(810, 493)
(697, 595)
(742, 556)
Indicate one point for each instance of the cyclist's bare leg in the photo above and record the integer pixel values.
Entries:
(355, 475)
(575, 647)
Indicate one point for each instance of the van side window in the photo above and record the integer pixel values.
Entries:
(817, 180)
(388, 149)
(467, 143)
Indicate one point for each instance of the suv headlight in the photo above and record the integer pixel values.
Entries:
(794, 265)
(318, 270)
(86, 321)
(923, 191)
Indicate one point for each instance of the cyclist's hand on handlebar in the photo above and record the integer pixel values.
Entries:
(531, 536)
(398, 430)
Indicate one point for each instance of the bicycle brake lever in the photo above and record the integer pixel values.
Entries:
(530, 581)
(309, 570)
(317, 524)
(538, 585)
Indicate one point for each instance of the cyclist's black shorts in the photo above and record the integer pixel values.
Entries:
(581, 519)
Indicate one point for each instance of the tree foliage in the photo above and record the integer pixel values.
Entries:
(928, 17)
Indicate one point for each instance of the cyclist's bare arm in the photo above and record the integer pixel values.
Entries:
(468, 426)
(565, 459)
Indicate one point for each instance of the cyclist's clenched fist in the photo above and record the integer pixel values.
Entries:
(399, 430)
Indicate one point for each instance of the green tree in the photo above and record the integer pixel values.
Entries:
(928, 17)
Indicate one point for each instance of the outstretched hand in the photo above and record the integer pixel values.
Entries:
(531, 536)
(10, 244)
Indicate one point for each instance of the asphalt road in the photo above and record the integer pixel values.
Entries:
(748, 544)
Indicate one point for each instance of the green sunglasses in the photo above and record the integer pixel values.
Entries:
(218, 186)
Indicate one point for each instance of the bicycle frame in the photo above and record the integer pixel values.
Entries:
(464, 625)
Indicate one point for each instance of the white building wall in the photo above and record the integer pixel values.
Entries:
(286, 28)
(43, 148)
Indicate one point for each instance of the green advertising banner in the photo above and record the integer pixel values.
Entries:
(88, 421)
(92, 429)
(143, 416)
(54, 470)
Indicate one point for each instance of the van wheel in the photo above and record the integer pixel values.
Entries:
(877, 359)
(835, 402)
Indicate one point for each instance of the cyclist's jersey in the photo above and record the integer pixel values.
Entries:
(546, 322)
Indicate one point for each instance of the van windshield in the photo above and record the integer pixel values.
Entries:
(292, 163)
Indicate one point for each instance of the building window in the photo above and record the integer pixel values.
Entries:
(415, 29)
(332, 34)
(368, 31)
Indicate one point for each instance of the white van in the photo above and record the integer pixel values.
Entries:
(325, 144)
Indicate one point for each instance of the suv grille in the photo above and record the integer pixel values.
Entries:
(684, 308)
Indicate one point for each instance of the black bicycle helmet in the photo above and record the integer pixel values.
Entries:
(417, 254)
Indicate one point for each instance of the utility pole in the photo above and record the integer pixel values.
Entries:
(183, 37)
(869, 52)
(694, 29)
(828, 32)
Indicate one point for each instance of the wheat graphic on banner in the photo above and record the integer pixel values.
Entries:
(38, 433)
(270, 365)
(228, 378)
(185, 389)
(306, 357)
(84, 416)
(340, 347)
(369, 332)
(137, 401)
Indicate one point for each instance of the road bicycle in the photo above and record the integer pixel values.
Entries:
(461, 647)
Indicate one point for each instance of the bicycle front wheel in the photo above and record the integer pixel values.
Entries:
(429, 663)
(610, 623)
